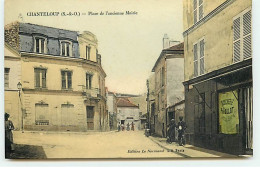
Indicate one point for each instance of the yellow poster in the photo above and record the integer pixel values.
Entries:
(228, 112)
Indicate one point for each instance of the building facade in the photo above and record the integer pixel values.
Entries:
(63, 83)
(218, 74)
(127, 112)
(169, 75)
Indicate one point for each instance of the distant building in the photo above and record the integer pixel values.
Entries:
(63, 82)
(112, 110)
(169, 90)
(127, 112)
(218, 75)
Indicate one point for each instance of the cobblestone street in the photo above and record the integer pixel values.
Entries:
(126, 144)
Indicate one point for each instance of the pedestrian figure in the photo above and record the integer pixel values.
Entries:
(132, 126)
(123, 127)
(128, 127)
(181, 130)
(118, 127)
(9, 146)
(171, 131)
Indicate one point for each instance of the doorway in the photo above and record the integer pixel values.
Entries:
(90, 117)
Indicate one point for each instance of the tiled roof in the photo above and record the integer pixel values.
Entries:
(176, 47)
(124, 102)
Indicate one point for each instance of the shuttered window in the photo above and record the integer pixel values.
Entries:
(89, 81)
(242, 41)
(7, 70)
(199, 55)
(66, 79)
(198, 10)
(40, 77)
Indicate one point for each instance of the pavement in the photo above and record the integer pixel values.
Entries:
(102, 145)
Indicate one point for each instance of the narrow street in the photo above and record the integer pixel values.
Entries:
(126, 144)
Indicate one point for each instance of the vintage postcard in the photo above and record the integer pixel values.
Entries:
(127, 79)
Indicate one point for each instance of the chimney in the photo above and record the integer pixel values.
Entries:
(165, 41)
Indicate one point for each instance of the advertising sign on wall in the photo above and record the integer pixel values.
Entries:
(228, 112)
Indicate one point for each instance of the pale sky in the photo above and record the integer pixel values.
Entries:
(129, 44)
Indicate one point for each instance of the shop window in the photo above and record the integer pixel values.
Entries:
(6, 77)
(40, 77)
(242, 41)
(66, 79)
(197, 10)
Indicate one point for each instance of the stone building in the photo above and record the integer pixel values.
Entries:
(218, 74)
(169, 90)
(127, 112)
(112, 109)
(63, 82)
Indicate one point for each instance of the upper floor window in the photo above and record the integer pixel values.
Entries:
(40, 77)
(197, 10)
(162, 76)
(39, 44)
(89, 81)
(66, 48)
(66, 79)
(242, 36)
(88, 48)
(198, 51)
(7, 70)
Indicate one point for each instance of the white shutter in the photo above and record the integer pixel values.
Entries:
(195, 11)
(200, 9)
(202, 57)
(195, 52)
(247, 35)
(237, 39)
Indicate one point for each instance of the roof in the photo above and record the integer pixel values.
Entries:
(124, 102)
(176, 49)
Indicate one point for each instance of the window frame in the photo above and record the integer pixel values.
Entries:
(197, 16)
(40, 77)
(199, 57)
(65, 42)
(66, 80)
(6, 75)
(89, 81)
(35, 38)
(88, 50)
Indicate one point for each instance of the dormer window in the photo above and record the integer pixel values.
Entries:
(66, 48)
(40, 45)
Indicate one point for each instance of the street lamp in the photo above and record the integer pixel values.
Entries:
(19, 87)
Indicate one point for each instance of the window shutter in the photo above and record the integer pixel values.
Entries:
(247, 35)
(42, 46)
(195, 11)
(44, 78)
(237, 39)
(63, 79)
(69, 79)
(200, 9)
(37, 77)
(195, 52)
(202, 57)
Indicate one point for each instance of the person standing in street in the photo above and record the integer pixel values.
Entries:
(118, 127)
(181, 130)
(133, 126)
(171, 131)
(128, 127)
(9, 146)
(163, 132)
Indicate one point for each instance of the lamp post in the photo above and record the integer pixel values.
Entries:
(19, 87)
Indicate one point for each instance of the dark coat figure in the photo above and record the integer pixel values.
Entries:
(163, 132)
(118, 127)
(8, 135)
(181, 129)
(128, 127)
(122, 127)
(171, 131)
(133, 126)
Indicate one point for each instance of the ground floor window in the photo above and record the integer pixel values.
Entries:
(67, 114)
(228, 112)
(90, 117)
(41, 114)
